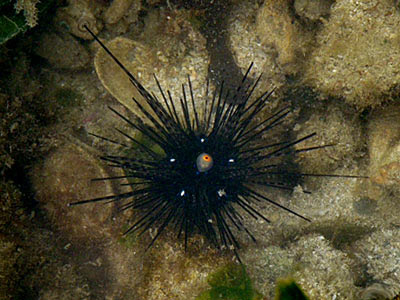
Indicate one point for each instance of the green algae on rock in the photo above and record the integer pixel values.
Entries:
(170, 272)
(231, 282)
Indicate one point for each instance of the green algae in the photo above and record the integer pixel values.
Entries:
(128, 240)
(342, 234)
(230, 282)
(288, 289)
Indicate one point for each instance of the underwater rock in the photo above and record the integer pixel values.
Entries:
(114, 79)
(365, 206)
(384, 148)
(335, 125)
(116, 10)
(122, 15)
(79, 13)
(93, 233)
(271, 38)
(322, 271)
(375, 291)
(172, 58)
(380, 254)
(64, 177)
(357, 53)
(313, 9)
(171, 272)
(246, 48)
(63, 51)
(276, 26)
(66, 284)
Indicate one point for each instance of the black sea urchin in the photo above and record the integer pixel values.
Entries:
(211, 162)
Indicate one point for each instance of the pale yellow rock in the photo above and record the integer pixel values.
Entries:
(172, 58)
(276, 26)
(384, 148)
(131, 54)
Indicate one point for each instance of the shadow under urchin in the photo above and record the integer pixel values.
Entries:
(213, 160)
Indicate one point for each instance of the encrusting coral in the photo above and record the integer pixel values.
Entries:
(30, 11)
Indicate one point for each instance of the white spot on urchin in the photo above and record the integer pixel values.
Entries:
(153, 232)
(221, 192)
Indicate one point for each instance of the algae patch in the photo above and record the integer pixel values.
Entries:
(230, 282)
(289, 290)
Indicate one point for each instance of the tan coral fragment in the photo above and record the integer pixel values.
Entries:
(113, 78)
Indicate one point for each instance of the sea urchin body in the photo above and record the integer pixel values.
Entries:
(211, 161)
